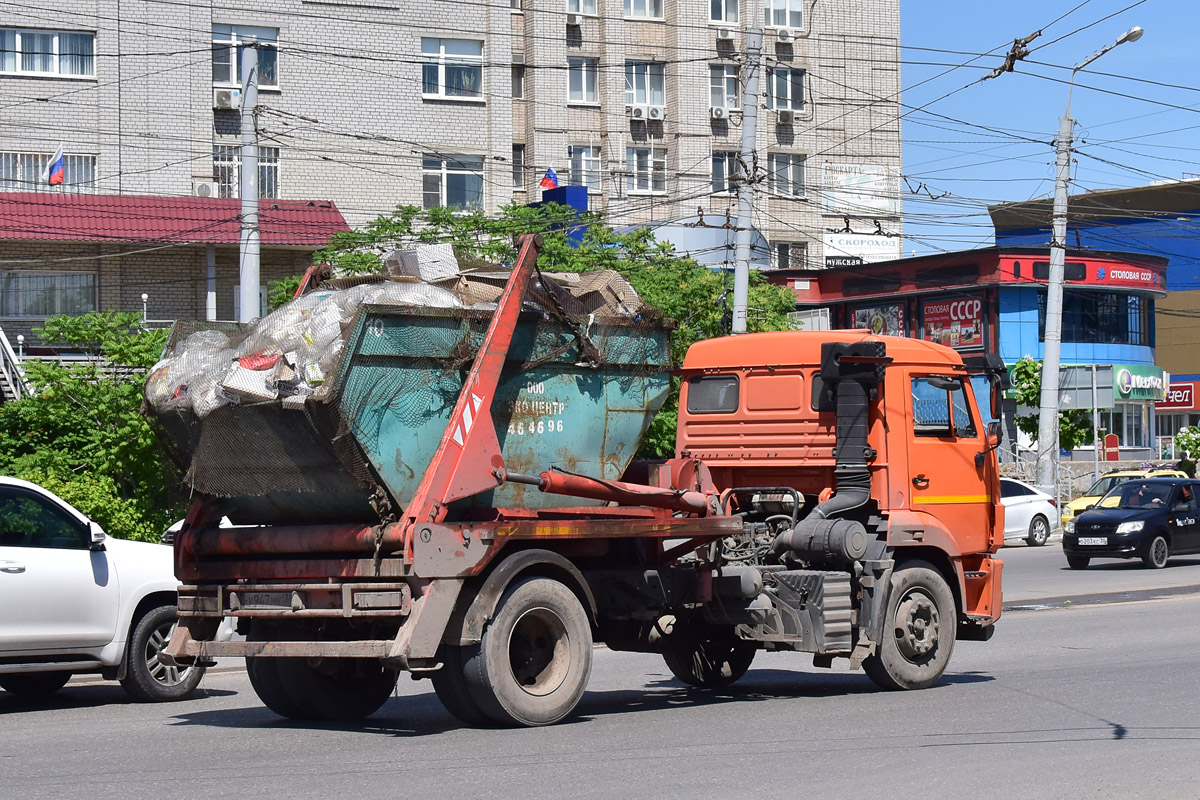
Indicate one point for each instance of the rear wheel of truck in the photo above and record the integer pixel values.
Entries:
(708, 658)
(450, 686)
(34, 686)
(532, 665)
(336, 689)
(918, 633)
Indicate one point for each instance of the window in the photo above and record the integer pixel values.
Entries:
(645, 83)
(725, 164)
(585, 166)
(518, 81)
(24, 293)
(785, 88)
(452, 68)
(783, 13)
(452, 181)
(938, 402)
(717, 394)
(227, 54)
(582, 7)
(27, 520)
(787, 174)
(518, 165)
(647, 167)
(723, 10)
(227, 161)
(516, 5)
(22, 172)
(1102, 318)
(581, 80)
(723, 86)
(63, 53)
(1129, 421)
(790, 255)
(644, 9)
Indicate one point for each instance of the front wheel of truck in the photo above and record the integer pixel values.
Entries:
(918, 634)
(533, 662)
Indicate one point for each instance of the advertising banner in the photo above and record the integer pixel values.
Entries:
(954, 323)
(859, 190)
(1138, 382)
(850, 249)
(887, 320)
(1179, 396)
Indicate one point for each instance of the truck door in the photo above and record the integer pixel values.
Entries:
(945, 482)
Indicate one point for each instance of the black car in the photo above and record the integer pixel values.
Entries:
(1147, 518)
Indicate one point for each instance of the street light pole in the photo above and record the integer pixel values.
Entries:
(1047, 440)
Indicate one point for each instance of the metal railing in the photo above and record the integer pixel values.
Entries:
(13, 383)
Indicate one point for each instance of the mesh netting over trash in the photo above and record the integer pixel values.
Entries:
(301, 408)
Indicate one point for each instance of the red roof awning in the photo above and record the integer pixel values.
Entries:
(150, 219)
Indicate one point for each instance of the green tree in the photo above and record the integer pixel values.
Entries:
(698, 298)
(82, 435)
(1074, 425)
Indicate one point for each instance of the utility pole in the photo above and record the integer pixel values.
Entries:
(248, 251)
(745, 219)
(1048, 427)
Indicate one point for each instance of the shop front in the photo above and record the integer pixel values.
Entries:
(1179, 408)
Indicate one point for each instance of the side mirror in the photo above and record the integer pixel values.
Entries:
(995, 434)
(1182, 507)
(97, 536)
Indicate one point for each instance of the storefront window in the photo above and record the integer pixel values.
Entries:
(1102, 318)
(1129, 421)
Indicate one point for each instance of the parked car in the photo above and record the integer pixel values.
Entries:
(1150, 519)
(1029, 514)
(76, 601)
(1108, 482)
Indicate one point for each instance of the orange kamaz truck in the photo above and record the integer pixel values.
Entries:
(462, 503)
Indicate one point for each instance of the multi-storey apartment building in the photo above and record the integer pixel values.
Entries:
(375, 104)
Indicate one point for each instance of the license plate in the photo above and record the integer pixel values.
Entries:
(265, 599)
(1093, 540)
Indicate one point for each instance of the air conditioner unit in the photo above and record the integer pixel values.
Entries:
(656, 112)
(784, 35)
(786, 116)
(725, 34)
(227, 98)
(639, 112)
(719, 112)
(202, 188)
(575, 20)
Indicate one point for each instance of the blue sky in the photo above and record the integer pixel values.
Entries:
(978, 143)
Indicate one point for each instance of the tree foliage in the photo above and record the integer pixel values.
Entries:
(699, 299)
(82, 435)
(1074, 425)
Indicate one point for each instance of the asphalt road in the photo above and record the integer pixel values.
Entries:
(1039, 576)
(1088, 701)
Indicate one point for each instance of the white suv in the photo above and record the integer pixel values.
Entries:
(76, 601)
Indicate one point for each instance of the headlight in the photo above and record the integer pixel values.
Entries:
(1068, 513)
(1130, 527)
(1070, 527)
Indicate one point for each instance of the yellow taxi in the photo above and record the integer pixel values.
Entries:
(1101, 487)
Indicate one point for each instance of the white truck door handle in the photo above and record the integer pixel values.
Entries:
(12, 566)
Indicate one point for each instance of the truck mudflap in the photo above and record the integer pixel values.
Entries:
(982, 598)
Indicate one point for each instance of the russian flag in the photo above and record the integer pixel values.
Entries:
(550, 179)
(53, 173)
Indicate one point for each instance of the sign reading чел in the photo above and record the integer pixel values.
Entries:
(1179, 396)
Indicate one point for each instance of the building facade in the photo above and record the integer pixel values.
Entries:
(992, 300)
(372, 105)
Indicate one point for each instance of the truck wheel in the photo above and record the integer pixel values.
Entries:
(534, 660)
(450, 686)
(1078, 562)
(33, 686)
(264, 679)
(707, 662)
(918, 634)
(1157, 553)
(1039, 531)
(147, 679)
(334, 689)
